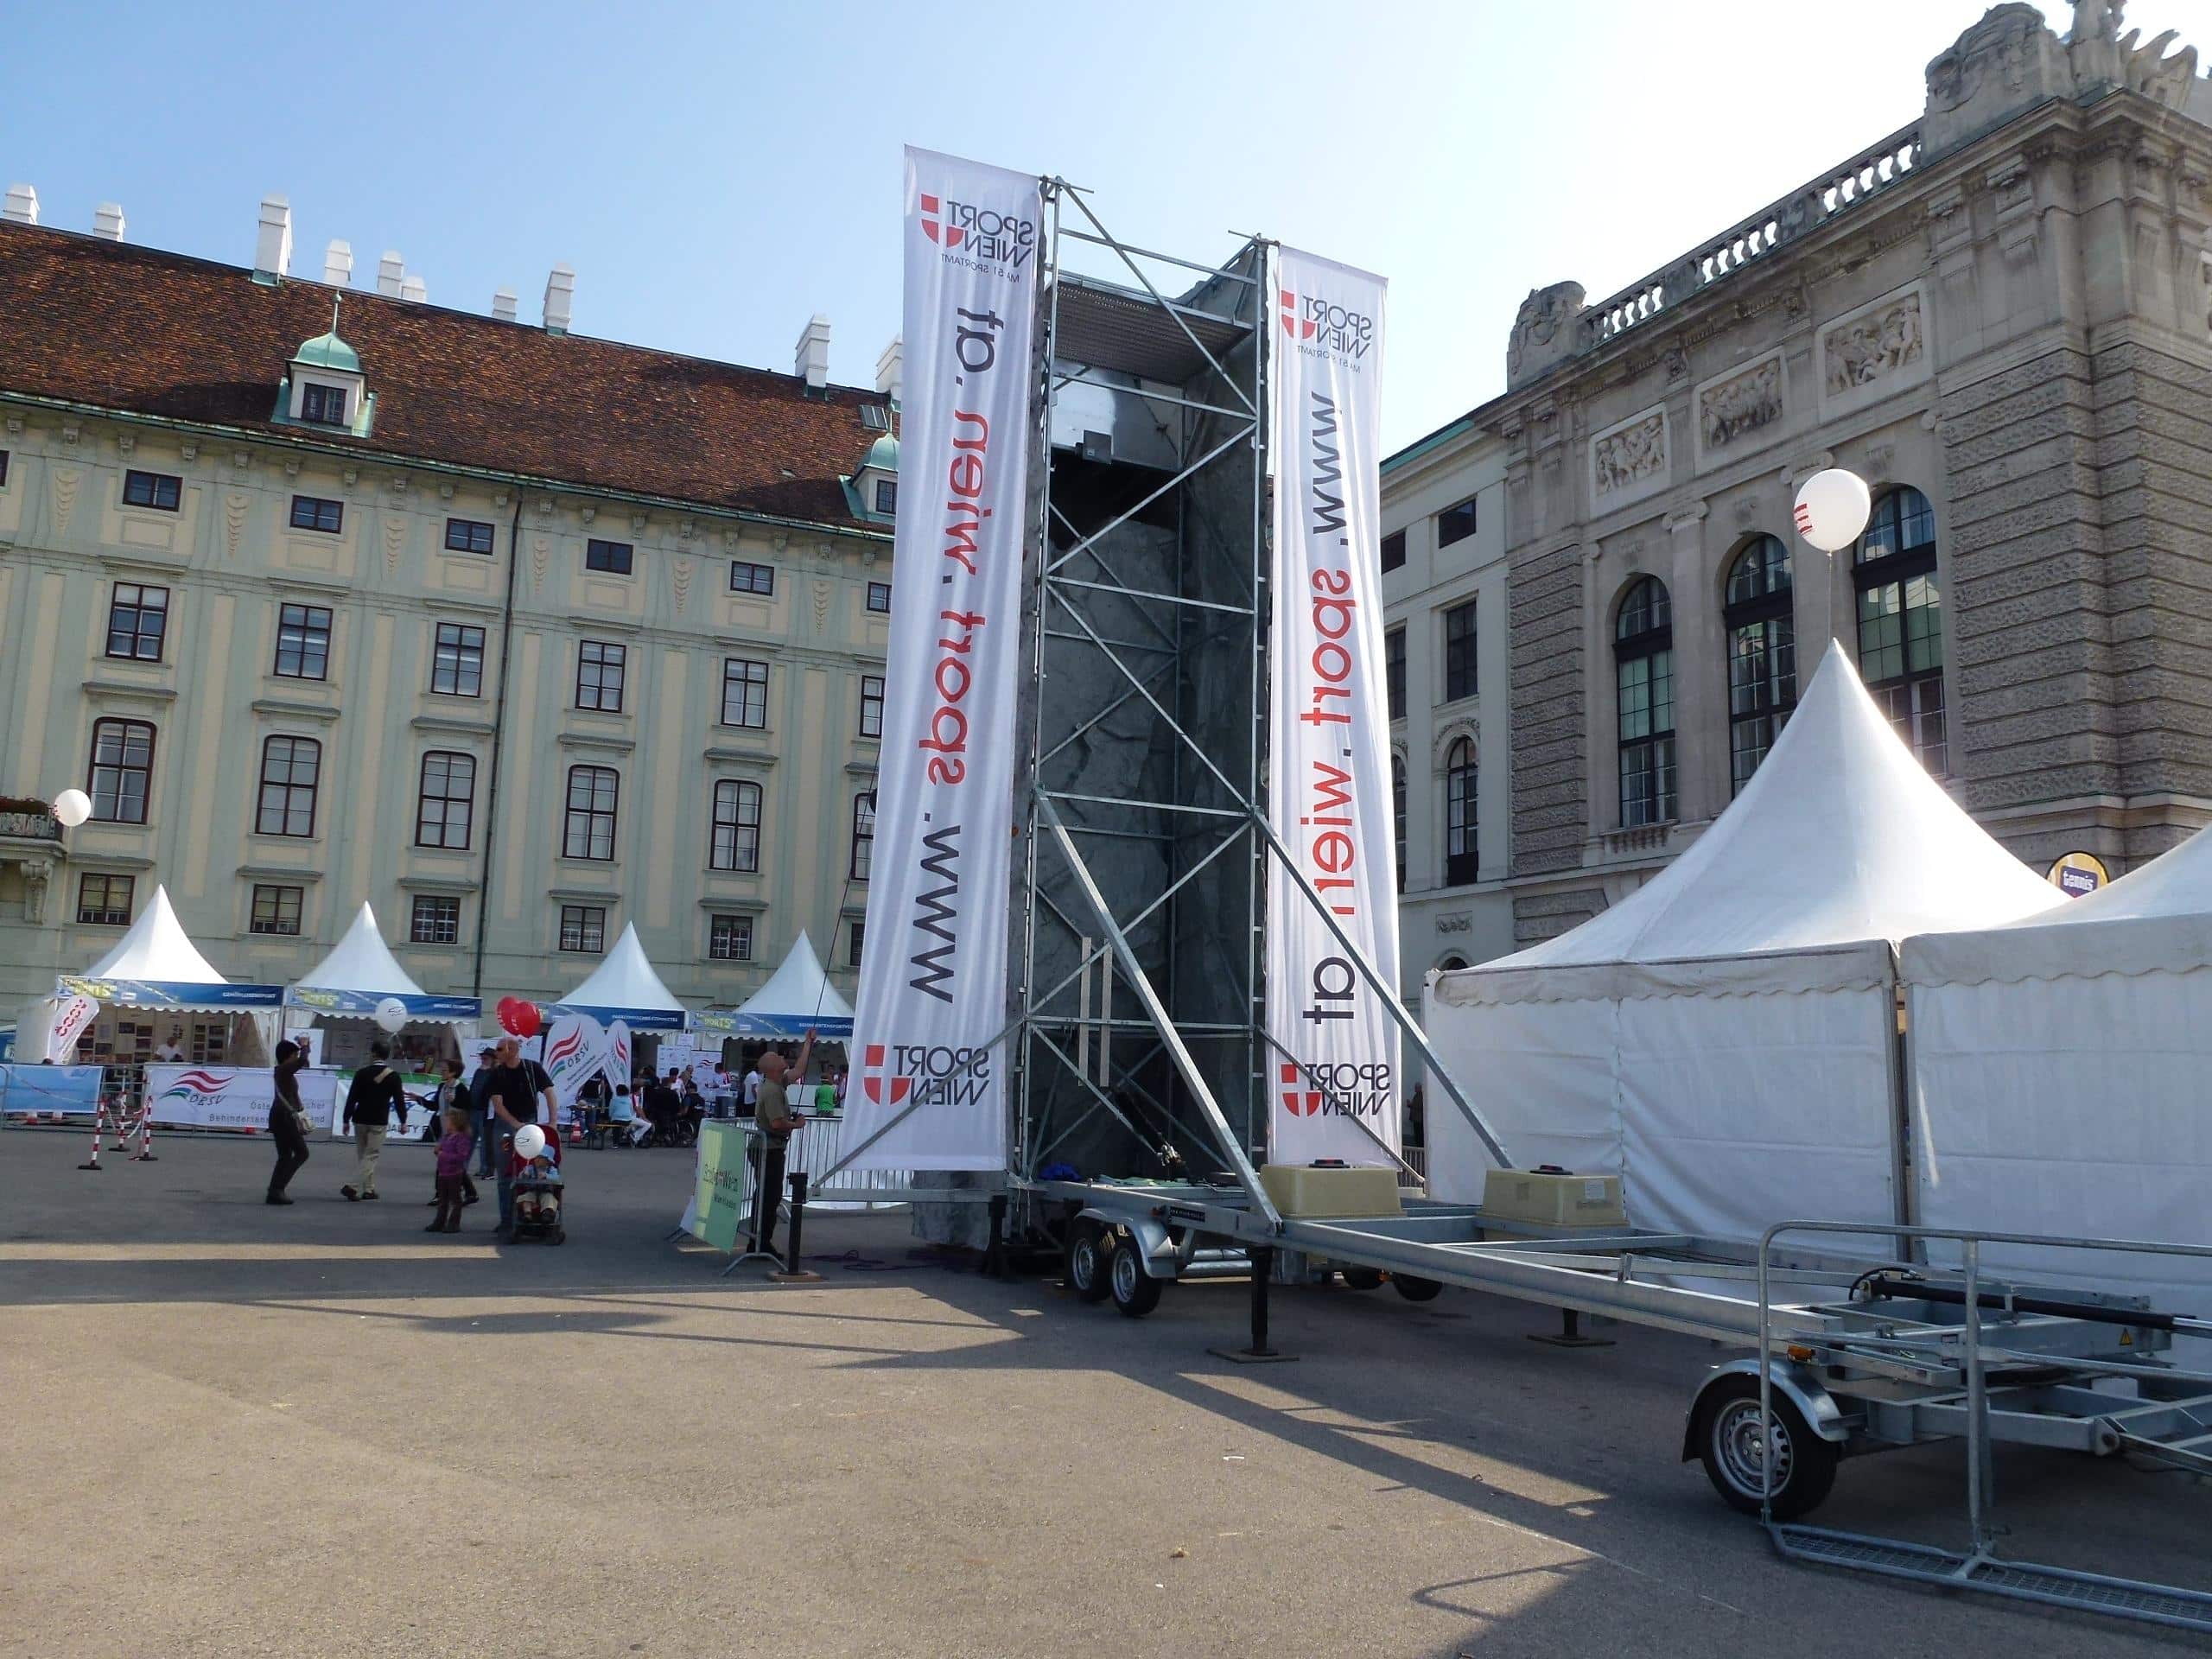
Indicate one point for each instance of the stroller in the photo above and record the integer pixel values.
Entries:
(541, 1196)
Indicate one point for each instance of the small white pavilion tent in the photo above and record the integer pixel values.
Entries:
(2059, 1068)
(624, 987)
(798, 997)
(360, 972)
(1724, 1038)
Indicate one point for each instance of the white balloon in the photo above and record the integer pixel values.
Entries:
(1832, 509)
(391, 1013)
(71, 807)
(529, 1140)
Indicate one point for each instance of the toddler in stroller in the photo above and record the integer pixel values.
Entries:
(539, 1195)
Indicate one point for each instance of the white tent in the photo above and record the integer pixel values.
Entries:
(361, 972)
(156, 949)
(798, 997)
(624, 987)
(1723, 1038)
(2059, 1068)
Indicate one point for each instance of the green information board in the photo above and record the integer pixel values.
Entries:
(725, 1185)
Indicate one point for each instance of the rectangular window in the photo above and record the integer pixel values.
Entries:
(122, 770)
(160, 491)
(276, 910)
(3, 469)
(871, 705)
(729, 938)
(468, 535)
(457, 666)
(137, 621)
(323, 405)
(1394, 551)
(446, 801)
(1459, 651)
(290, 769)
(600, 669)
(744, 693)
(1456, 523)
(735, 839)
(589, 831)
(863, 837)
(886, 497)
(614, 557)
(436, 921)
(854, 933)
(1646, 718)
(583, 927)
(303, 642)
(746, 577)
(105, 900)
(1393, 671)
(316, 513)
(879, 597)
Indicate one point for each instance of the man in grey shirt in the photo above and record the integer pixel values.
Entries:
(773, 1113)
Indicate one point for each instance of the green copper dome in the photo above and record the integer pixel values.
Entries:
(329, 352)
(883, 454)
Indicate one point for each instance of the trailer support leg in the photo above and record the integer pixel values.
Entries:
(995, 1259)
(1570, 1334)
(1262, 1257)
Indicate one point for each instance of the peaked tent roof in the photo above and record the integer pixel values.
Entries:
(362, 961)
(2158, 916)
(1840, 836)
(625, 985)
(156, 948)
(799, 990)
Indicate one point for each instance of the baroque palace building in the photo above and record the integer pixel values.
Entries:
(326, 595)
(2000, 314)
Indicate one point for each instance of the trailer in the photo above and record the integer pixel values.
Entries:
(1864, 1352)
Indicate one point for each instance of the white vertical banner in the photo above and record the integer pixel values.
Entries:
(575, 1049)
(932, 992)
(1333, 1062)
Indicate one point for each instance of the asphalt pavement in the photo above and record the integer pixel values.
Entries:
(233, 1429)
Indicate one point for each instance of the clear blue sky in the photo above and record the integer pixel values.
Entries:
(717, 172)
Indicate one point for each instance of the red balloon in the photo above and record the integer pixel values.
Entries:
(526, 1019)
(506, 1014)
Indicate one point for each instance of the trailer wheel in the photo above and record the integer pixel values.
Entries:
(1087, 1256)
(1731, 1442)
(1364, 1278)
(1413, 1289)
(1136, 1292)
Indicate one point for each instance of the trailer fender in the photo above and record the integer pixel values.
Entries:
(1795, 1382)
(1156, 1249)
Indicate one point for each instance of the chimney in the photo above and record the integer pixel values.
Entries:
(503, 304)
(413, 287)
(273, 247)
(22, 205)
(811, 359)
(338, 264)
(107, 221)
(560, 299)
(890, 368)
(391, 271)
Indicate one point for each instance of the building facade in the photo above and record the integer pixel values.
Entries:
(518, 635)
(2001, 316)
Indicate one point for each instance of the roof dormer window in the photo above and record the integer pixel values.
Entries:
(323, 406)
(326, 386)
(873, 492)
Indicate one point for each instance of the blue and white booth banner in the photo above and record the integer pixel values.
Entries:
(735, 1022)
(932, 1091)
(1332, 1063)
(229, 1096)
(635, 1019)
(173, 994)
(49, 1090)
(363, 1005)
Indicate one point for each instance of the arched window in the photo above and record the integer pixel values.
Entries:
(1452, 964)
(1460, 863)
(1643, 660)
(1398, 814)
(1762, 655)
(1901, 623)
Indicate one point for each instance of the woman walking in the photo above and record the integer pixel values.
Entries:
(287, 1120)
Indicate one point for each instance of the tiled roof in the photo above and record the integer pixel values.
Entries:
(133, 328)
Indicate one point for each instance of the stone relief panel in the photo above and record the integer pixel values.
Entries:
(1628, 459)
(1741, 409)
(1868, 354)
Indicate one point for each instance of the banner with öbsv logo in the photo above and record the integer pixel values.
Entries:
(928, 1079)
(1333, 1061)
(229, 1096)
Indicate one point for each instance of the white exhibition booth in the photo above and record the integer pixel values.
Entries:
(798, 997)
(2060, 1068)
(1725, 1038)
(342, 994)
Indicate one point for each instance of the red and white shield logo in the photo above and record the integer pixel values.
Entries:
(1300, 1103)
(872, 1077)
(946, 235)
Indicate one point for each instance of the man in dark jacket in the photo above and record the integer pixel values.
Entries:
(371, 1100)
(286, 1127)
(479, 1109)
